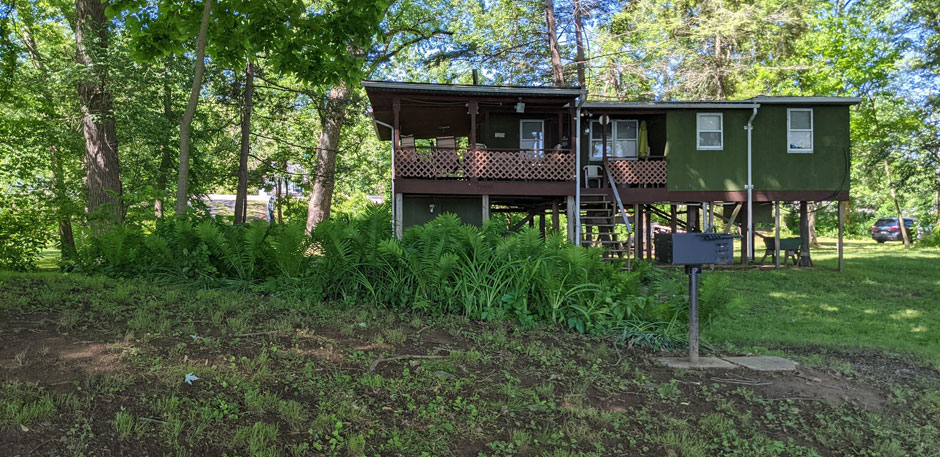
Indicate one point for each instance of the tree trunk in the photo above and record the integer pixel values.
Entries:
(241, 193)
(811, 210)
(558, 73)
(102, 169)
(66, 238)
(897, 207)
(579, 44)
(186, 123)
(805, 259)
(166, 156)
(331, 124)
(280, 213)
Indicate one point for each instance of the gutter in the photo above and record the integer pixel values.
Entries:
(394, 199)
(750, 185)
(577, 169)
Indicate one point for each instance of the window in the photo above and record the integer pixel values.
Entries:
(532, 134)
(708, 127)
(621, 139)
(799, 130)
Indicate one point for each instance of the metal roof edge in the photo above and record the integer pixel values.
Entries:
(465, 88)
(661, 105)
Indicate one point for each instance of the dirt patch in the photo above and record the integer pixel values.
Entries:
(34, 350)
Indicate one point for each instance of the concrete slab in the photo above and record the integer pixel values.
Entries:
(764, 363)
(704, 363)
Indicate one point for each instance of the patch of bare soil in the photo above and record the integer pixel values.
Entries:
(33, 349)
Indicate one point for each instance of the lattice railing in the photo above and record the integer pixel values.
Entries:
(642, 171)
(485, 164)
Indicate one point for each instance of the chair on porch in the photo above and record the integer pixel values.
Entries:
(592, 172)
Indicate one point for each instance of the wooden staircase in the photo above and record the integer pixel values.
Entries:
(599, 218)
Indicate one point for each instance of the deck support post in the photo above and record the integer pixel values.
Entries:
(638, 231)
(555, 216)
(486, 208)
(691, 218)
(572, 220)
(398, 215)
(842, 210)
(805, 259)
(745, 240)
(542, 223)
(648, 230)
(673, 223)
(776, 234)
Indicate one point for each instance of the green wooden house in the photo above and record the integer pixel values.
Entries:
(477, 151)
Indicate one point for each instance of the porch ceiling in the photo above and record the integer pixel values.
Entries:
(432, 110)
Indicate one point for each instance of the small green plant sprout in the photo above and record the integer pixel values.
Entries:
(123, 424)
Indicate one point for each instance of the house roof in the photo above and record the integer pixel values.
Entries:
(765, 100)
(723, 104)
(463, 89)
(662, 105)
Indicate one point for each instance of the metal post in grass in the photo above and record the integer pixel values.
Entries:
(693, 271)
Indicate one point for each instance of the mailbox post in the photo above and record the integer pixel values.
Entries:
(694, 250)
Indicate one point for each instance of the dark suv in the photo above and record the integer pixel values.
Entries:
(887, 229)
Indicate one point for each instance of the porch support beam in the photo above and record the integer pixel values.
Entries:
(843, 206)
(572, 220)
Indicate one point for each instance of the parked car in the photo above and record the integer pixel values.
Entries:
(887, 229)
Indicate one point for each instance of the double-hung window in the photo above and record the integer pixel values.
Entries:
(622, 139)
(709, 133)
(800, 130)
(532, 134)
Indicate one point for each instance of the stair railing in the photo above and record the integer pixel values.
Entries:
(623, 212)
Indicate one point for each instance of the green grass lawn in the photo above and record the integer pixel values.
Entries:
(98, 366)
(886, 298)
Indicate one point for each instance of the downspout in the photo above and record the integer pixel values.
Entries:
(750, 187)
(394, 216)
(577, 169)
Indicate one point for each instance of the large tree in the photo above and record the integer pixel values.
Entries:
(102, 168)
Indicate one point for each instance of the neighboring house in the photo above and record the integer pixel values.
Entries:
(478, 150)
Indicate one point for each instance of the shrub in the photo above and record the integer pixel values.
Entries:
(443, 266)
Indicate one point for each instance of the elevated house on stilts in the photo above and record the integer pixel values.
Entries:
(606, 168)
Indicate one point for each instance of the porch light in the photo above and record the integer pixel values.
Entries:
(520, 107)
(431, 207)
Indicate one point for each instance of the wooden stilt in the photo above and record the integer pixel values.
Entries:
(542, 224)
(399, 203)
(572, 220)
(745, 237)
(777, 234)
(805, 259)
(637, 232)
(842, 207)
(556, 217)
(486, 208)
(648, 230)
(673, 223)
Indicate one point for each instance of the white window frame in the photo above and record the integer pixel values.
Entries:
(521, 138)
(612, 138)
(790, 130)
(698, 130)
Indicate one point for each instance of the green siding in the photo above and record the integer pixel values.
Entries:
(823, 169)
(416, 209)
(773, 167)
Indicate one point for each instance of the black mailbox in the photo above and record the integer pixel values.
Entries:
(702, 248)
